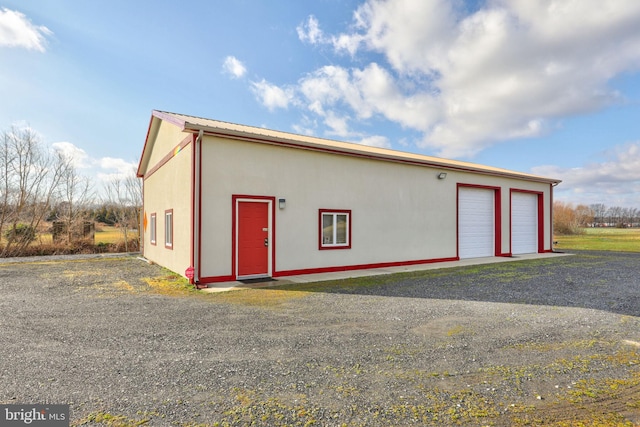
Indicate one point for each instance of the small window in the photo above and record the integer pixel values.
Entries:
(335, 229)
(168, 229)
(152, 229)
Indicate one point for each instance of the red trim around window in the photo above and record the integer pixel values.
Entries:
(349, 224)
(167, 244)
(153, 232)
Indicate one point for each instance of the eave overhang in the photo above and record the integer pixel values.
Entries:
(266, 136)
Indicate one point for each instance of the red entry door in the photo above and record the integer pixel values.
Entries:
(253, 252)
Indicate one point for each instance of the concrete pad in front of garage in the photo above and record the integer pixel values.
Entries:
(338, 275)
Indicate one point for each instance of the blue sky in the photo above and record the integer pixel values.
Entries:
(549, 87)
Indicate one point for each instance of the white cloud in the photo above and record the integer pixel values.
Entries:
(366, 92)
(614, 181)
(104, 170)
(78, 157)
(307, 126)
(411, 33)
(234, 67)
(468, 80)
(16, 30)
(114, 168)
(328, 86)
(310, 31)
(338, 124)
(272, 96)
(375, 141)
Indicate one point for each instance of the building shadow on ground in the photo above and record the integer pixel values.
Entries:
(607, 281)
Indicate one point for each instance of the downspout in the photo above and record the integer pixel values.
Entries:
(193, 272)
(141, 223)
(553, 243)
(196, 209)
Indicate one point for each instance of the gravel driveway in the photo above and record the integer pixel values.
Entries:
(542, 342)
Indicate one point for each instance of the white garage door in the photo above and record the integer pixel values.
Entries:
(524, 223)
(476, 226)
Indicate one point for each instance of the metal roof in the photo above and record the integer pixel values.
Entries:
(256, 134)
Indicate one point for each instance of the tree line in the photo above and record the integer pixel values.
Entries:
(39, 186)
(570, 219)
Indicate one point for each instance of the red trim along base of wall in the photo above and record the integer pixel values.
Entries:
(214, 279)
(218, 279)
(360, 267)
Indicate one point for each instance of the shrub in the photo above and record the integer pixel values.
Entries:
(568, 220)
(23, 233)
(133, 245)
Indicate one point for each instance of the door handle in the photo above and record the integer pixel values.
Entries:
(266, 241)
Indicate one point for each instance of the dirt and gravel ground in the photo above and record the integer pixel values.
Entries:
(544, 342)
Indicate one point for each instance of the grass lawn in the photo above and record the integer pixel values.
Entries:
(602, 239)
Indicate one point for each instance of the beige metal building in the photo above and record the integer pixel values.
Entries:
(226, 202)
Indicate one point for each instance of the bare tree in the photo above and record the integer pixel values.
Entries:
(6, 160)
(75, 194)
(584, 215)
(30, 178)
(627, 217)
(599, 212)
(125, 195)
(614, 216)
(568, 218)
(635, 217)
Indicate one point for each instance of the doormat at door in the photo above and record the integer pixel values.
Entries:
(257, 280)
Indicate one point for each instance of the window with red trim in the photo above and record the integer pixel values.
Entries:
(335, 229)
(152, 229)
(168, 229)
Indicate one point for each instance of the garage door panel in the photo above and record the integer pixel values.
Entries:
(476, 228)
(524, 223)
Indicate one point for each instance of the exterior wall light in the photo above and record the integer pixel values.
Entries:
(442, 175)
(282, 203)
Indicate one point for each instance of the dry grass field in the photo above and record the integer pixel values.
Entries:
(106, 239)
(109, 234)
